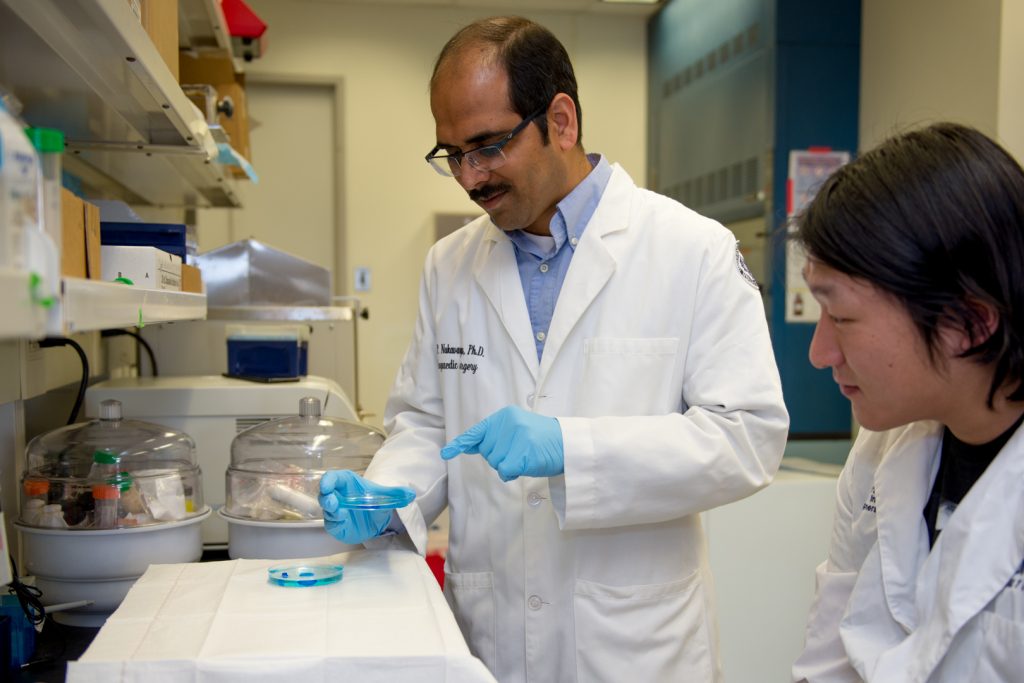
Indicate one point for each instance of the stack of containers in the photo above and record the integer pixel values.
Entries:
(101, 501)
(273, 482)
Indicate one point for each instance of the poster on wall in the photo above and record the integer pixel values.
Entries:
(808, 169)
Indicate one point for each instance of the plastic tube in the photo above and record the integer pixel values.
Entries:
(298, 500)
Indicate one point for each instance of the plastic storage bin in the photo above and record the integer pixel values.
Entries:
(169, 237)
(267, 351)
(273, 482)
(101, 501)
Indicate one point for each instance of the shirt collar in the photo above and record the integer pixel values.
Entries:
(574, 211)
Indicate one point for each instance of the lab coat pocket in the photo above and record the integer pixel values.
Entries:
(623, 376)
(663, 627)
(471, 596)
(1001, 657)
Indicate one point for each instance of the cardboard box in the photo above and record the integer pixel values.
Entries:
(203, 68)
(72, 248)
(191, 279)
(160, 19)
(80, 238)
(93, 253)
(146, 267)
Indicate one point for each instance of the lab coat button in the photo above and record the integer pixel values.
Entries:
(534, 602)
(543, 267)
(534, 498)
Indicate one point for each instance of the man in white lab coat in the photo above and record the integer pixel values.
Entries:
(597, 360)
(915, 253)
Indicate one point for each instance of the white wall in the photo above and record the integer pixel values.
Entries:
(929, 60)
(384, 56)
(1010, 116)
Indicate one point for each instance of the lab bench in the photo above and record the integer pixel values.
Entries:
(386, 620)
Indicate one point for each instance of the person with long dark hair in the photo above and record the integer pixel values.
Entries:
(915, 252)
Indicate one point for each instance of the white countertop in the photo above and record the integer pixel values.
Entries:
(217, 622)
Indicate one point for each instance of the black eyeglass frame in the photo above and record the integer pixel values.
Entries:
(457, 157)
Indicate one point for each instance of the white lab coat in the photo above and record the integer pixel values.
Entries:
(887, 610)
(659, 367)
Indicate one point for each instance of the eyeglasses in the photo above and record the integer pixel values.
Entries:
(484, 158)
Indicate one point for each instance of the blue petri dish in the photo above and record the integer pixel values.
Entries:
(394, 497)
(301, 576)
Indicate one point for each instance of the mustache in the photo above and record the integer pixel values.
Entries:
(488, 191)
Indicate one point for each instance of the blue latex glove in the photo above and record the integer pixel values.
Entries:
(515, 442)
(350, 526)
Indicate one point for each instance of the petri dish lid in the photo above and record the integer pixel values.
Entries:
(305, 575)
(393, 497)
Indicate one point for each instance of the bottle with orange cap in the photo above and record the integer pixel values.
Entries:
(35, 494)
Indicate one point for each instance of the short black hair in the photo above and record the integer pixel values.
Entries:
(935, 218)
(537, 64)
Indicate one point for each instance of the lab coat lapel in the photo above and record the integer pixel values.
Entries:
(978, 552)
(591, 267)
(498, 277)
(902, 486)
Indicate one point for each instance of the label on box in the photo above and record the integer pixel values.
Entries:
(146, 267)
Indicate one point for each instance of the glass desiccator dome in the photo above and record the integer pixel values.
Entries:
(276, 466)
(110, 473)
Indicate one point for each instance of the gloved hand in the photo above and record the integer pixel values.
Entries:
(350, 526)
(515, 442)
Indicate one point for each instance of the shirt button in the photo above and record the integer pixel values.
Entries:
(541, 336)
(543, 267)
(574, 241)
(534, 602)
(534, 498)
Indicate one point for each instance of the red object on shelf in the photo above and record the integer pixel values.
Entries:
(242, 21)
(436, 563)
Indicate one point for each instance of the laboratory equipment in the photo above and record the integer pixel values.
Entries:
(201, 347)
(49, 144)
(267, 351)
(395, 497)
(356, 509)
(250, 273)
(101, 501)
(303, 575)
(19, 186)
(273, 482)
(213, 409)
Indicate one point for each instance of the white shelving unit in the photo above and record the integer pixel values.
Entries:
(88, 68)
(19, 317)
(88, 305)
(202, 26)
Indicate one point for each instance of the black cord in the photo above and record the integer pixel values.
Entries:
(28, 596)
(142, 342)
(64, 341)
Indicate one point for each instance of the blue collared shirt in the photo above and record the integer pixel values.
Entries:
(543, 261)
